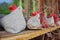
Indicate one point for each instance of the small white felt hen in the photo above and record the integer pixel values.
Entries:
(50, 21)
(34, 22)
(14, 22)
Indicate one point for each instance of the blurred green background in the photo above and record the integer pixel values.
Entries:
(4, 6)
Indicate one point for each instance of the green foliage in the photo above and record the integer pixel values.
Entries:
(16, 2)
(31, 7)
(5, 10)
(4, 7)
(23, 4)
(36, 5)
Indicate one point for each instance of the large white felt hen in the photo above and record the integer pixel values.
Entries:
(14, 22)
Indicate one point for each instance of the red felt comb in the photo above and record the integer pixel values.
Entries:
(34, 13)
(12, 7)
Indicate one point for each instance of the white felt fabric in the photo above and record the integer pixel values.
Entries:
(34, 22)
(58, 22)
(14, 22)
(50, 21)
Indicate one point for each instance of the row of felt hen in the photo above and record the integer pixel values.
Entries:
(39, 20)
(15, 21)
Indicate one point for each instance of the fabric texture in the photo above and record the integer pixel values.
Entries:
(34, 22)
(14, 22)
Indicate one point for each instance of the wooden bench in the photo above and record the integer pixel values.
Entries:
(27, 34)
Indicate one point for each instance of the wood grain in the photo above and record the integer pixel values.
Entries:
(26, 35)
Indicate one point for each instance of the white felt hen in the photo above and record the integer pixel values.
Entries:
(34, 22)
(14, 22)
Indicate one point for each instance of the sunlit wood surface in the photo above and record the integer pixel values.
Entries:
(26, 35)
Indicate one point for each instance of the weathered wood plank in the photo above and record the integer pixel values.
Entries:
(29, 34)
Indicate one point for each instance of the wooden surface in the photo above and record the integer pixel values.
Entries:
(26, 35)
